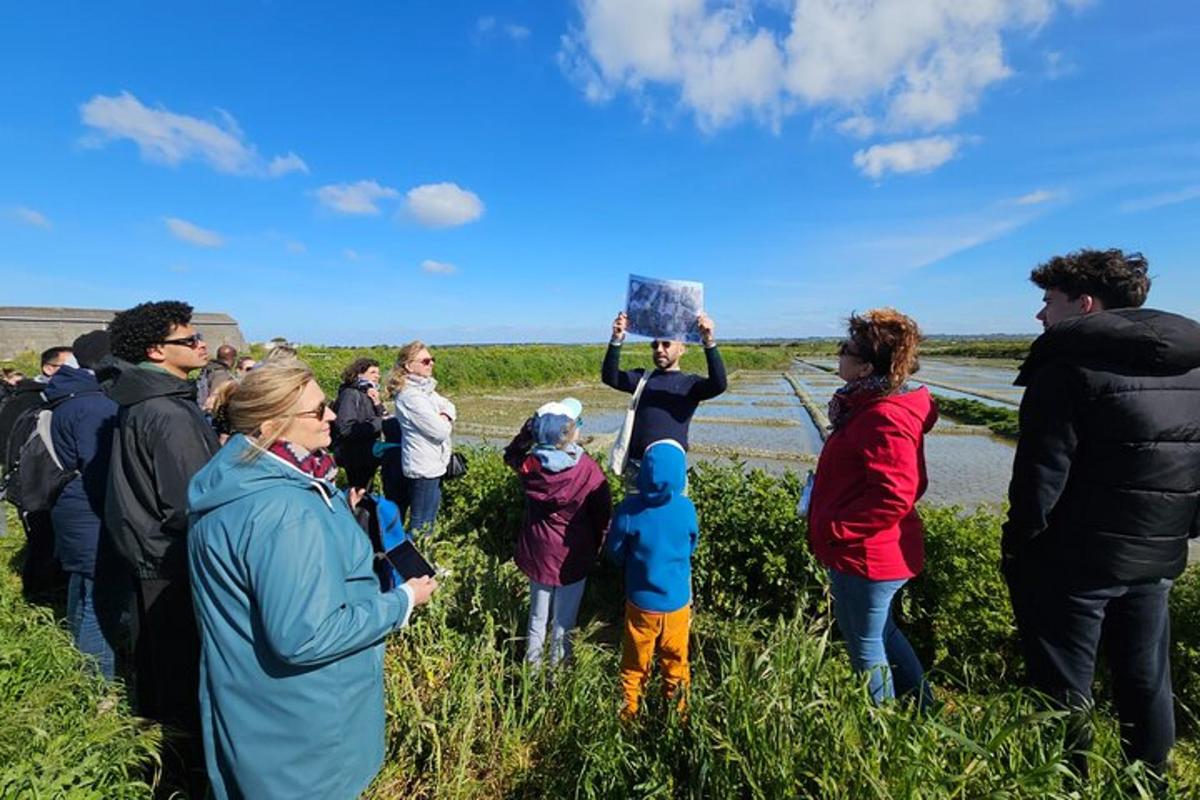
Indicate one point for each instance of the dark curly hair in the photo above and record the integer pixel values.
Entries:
(137, 329)
(357, 367)
(888, 341)
(1115, 278)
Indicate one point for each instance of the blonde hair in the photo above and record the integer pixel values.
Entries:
(268, 393)
(398, 377)
(281, 352)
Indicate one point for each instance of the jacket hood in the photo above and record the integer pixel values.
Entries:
(663, 473)
(916, 405)
(1138, 340)
(137, 384)
(553, 490)
(70, 380)
(232, 474)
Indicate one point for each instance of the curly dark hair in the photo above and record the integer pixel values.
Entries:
(1115, 278)
(137, 329)
(357, 367)
(888, 341)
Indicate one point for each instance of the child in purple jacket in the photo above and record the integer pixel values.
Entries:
(567, 509)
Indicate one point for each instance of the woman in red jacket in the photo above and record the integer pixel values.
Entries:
(863, 524)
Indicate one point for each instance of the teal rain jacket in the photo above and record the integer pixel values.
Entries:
(292, 626)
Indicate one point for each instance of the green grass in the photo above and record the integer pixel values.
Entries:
(63, 732)
(1000, 421)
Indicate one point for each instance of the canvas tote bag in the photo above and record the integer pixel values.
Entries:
(620, 448)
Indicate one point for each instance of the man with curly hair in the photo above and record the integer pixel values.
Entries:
(1105, 493)
(162, 439)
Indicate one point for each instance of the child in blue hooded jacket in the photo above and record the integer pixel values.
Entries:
(653, 536)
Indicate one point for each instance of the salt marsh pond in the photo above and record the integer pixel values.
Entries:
(761, 421)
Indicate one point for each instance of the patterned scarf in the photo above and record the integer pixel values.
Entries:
(318, 463)
(847, 398)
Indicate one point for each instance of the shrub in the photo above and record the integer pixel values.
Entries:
(1000, 421)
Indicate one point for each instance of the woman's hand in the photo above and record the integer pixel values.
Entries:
(354, 496)
(373, 393)
(422, 589)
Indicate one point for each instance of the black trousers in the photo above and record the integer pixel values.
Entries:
(166, 679)
(42, 576)
(1060, 626)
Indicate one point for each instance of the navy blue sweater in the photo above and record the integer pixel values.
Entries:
(669, 399)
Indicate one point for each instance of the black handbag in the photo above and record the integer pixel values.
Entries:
(457, 467)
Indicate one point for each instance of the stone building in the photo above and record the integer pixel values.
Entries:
(26, 328)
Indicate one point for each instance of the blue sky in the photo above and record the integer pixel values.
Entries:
(370, 172)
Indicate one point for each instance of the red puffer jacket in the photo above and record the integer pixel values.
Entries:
(862, 518)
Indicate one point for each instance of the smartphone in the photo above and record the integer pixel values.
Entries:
(408, 561)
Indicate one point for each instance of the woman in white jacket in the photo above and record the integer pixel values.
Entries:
(426, 421)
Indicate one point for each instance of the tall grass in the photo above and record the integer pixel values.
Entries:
(1000, 421)
(63, 732)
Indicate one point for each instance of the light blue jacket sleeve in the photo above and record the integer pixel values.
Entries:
(295, 571)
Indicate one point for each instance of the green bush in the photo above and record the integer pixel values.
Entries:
(1185, 654)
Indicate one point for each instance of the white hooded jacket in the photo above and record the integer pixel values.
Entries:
(425, 433)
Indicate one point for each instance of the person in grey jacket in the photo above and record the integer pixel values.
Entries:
(162, 439)
(359, 419)
(426, 422)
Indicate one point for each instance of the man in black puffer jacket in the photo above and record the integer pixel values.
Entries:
(1105, 493)
(162, 439)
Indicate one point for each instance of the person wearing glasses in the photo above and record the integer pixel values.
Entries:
(293, 622)
(162, 439)
(670, 396)
(360, 415)
(426, 420)
(862, 522)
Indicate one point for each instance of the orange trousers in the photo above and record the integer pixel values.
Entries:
(647, 633)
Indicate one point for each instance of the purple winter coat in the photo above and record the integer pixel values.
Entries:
(566, 517)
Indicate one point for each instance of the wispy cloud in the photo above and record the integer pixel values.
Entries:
(1159, 200)
(297, 247)
(518, 33)
(350, 254)
(360, 198)
(443, 205)
(915, 155)
(1038, 197)
(30, 217)
(489, 25)
(438, 267)
(166, 137)
(188, 232)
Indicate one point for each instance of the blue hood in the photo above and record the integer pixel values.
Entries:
(663, 473)
(232, 474)
(70, 380)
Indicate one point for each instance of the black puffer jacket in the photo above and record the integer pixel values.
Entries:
(162, 440)
(1106, 482)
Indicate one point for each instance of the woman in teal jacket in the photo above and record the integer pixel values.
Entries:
(292, 619)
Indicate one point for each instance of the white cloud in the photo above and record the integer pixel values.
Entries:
(893, 65)
(1159, 200)
(355, 198)
(282, 165)
(180, 269)
(29, 216)
(485, 24)
(443, 205)
(296, 247)
(518, 33)
(350, 254)
(1038, 197)
(192, 234)
(165, 137)
(438, 267)
(916, 155)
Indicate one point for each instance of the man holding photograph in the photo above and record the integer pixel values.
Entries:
(670, 396)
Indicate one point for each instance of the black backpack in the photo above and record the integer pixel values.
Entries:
(34, 476)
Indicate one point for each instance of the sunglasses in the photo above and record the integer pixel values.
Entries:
(317, 413)
(847, 349)
(193, 341)
(663, 344)
(424, 361)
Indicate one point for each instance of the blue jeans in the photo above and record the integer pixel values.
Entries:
(559, 605)
(863, 608)
(420, 500)
(85, 624)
